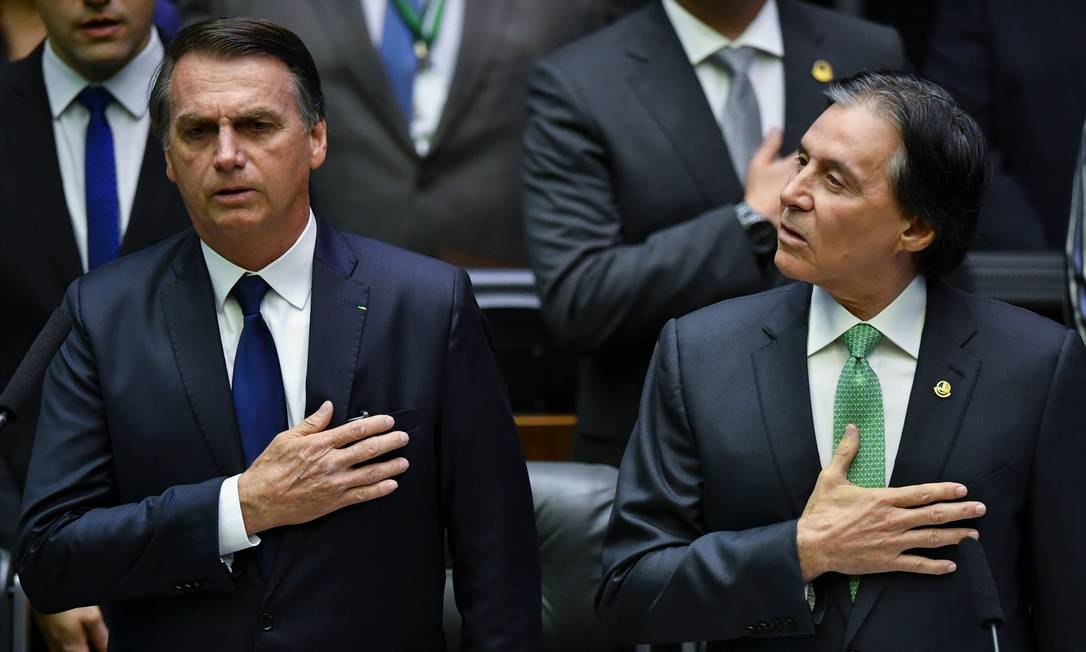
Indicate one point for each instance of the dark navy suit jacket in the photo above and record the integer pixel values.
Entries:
(138, 431)
(702, 543)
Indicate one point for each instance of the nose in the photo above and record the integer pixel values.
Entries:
(228, 152)
(795, 196)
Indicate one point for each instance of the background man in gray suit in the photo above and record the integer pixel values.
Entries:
(427, 149)
(646, 193)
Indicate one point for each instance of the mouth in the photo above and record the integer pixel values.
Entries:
(101, 26)
(233, 195)
(789, 236)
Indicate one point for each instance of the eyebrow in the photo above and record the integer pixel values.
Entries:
(193, 119)
(851, 179)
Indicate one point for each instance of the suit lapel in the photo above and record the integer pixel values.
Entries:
(151, 208)
(34, 146)
(337, 317)
(931, 423)
(802, 92)
(780, 370)
(345, 23)
(189, 306)
(664, 81)
(483, 23)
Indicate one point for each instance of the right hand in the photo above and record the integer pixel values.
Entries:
(307, 471)
(856, 531)
(766, 177)
(76, 630)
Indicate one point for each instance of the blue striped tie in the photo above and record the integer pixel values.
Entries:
(100, 175)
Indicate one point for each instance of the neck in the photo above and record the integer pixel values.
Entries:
(866, 303)
(253, 250)
(21, 27)
(729, 18)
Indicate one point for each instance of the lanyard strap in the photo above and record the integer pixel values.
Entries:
(424, 25)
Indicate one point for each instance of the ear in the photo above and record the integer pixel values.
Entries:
(917, 235)
(169, 165)
(318, 142)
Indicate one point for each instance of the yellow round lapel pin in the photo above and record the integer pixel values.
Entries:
(822, 71)
(942, 389)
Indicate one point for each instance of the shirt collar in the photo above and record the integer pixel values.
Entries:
(130, 86)
(901, 322)
(699, 41)
(290, 275)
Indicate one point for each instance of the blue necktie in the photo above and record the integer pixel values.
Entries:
(259, 400)
(100, 175)
(398, 55)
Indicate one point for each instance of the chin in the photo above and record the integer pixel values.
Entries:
(791, 267)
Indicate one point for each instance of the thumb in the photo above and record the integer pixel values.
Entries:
(846, 452)
(771, 144)
(316, 422)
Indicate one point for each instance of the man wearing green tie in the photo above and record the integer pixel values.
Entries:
(933, 416)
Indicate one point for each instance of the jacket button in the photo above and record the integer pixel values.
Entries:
(178, 587)
(750, 630)
(266, 622)
(777, 626)
(763, 627)
(789, 624)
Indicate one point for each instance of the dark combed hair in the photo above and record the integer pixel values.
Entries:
(941, 169)
(233, 38)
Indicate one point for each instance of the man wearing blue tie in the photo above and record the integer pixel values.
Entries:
(806, 460)
(81, 183)
(262, 432)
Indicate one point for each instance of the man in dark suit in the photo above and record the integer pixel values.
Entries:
(427, 154)
(1020, 69)
(910, 395)
(47, 224)
(638, 207)
(159, 485)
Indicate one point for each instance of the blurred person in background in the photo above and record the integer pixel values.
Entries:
(82, 183)
(652, 173)
(21, 29)
(426, 107)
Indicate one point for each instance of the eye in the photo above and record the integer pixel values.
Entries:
(834, 182)
(801, 160)
(196, 131)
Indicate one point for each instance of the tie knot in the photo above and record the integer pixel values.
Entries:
(736, 60)
(95, 98)
(860, 339)
(249, 292)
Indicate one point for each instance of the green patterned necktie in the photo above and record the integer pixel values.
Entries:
(859, 401)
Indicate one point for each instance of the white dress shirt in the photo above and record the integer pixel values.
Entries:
(701, 42)
(431, 84)
(128, 119)
(893, 360)
(285, 310)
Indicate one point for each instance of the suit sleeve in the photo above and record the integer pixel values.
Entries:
(599, 290)
(666, 577)
(1057, 509)
(77, 545)
(961, 60)
(488, 509)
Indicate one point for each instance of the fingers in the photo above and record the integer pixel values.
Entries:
(941, 513)
(317, 421)
(845, 453)
(371, 474)
(922, 565)
(369, 492)
(357, 430)
(925, 494)
(369, 448)
(935, 537)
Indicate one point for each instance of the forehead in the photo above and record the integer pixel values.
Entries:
(207, 85)
(855, 135)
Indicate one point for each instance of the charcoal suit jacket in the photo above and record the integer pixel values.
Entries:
(702, 542)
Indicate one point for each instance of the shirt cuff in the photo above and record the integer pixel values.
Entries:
(232, 536)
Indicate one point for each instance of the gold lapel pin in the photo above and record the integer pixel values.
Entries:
(822, 71)
(942, 389)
